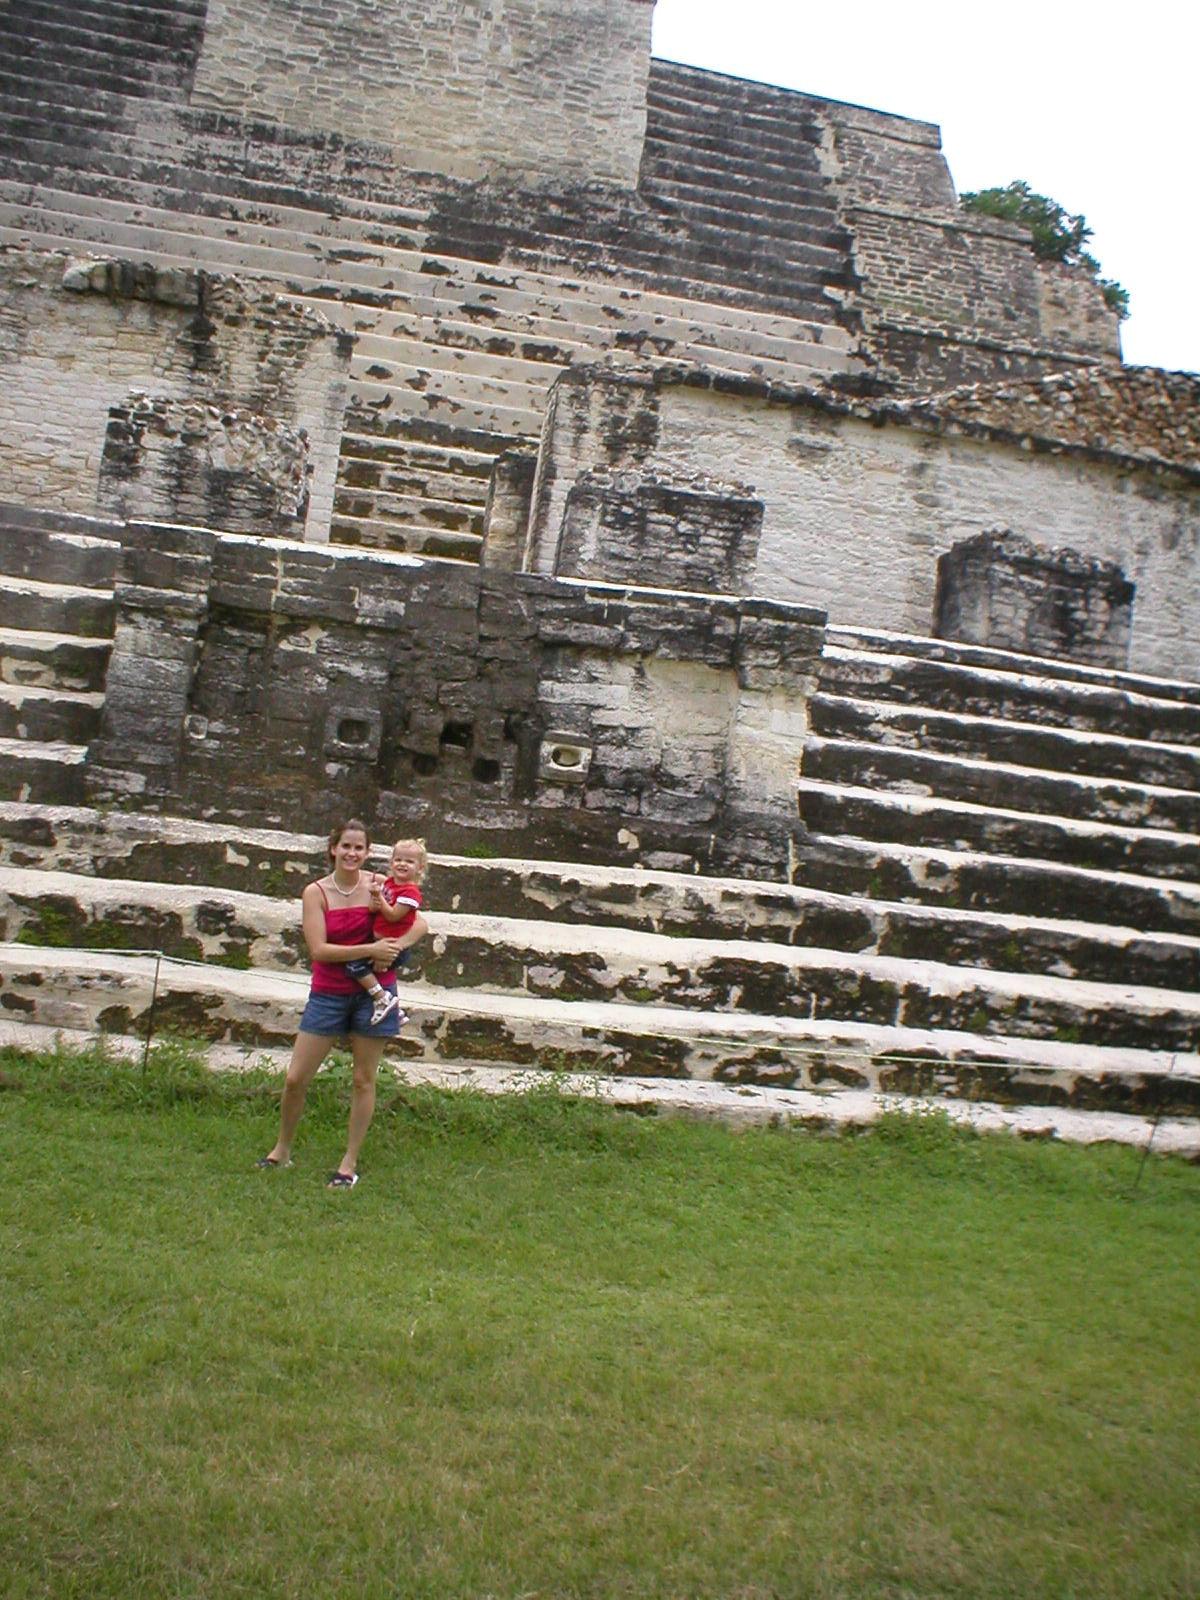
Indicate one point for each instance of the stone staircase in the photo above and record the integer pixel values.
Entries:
(56, 630)
(465, 301)
(616, 972)
(92, 57)
(735, 164)
(1063, 799)
(454, 358)
(998, 896)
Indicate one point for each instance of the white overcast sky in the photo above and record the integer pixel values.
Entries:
(1094, 104)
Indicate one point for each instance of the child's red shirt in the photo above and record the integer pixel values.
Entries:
(397, 894)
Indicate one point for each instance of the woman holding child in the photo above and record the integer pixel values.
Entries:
(342, 919)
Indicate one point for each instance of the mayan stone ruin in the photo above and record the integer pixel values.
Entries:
(759, 578)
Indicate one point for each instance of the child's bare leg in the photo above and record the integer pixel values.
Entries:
(385, 999)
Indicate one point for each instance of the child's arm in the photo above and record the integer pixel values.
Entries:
(407, 901)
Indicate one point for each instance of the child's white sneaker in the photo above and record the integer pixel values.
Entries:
(385, 1004)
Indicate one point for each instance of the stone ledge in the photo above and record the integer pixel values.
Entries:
(740, 1105)
(96, 991)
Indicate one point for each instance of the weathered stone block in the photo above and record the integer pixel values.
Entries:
(628, 527)
(1002, 590)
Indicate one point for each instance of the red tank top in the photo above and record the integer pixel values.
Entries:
(343, 925)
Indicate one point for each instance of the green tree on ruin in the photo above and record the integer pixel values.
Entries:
(1058, 235)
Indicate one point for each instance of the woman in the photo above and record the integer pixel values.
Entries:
(336, 919)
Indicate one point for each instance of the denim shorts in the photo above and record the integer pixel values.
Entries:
(339, 1014)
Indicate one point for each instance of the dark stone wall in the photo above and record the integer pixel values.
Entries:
(280, 683)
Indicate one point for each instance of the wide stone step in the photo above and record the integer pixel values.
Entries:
(475, 359)
(424, 472)
(1001, 784)
(46, 774)
(28, 77)
(421, 510)
(603, 964)
(952, 652)
(29, 605)
(50, 556)
(958, 889)
(40, 660)
(771, 167)
(681, 189)
(706, 274)
(90, 992)
(897, 902)
(535, 354)
(540, 336)
(341, 219)
(703, 121)
(70, 220)
(702, 171)
(49, 715)
(1058, 701)
(153, 26)
(831, 808)
(829, 1109)
(116, 166)
(1021, 743)
(91, 45)
(374, 427)
(446, 464)
(429, 476)
(964, 879)
(671, 84)
(372, 532)
(750, 234)
(440, 377)
(33, 121)
(439, 399)
(320, 234)
(65, 64)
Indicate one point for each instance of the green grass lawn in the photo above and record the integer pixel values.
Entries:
(549, 1349)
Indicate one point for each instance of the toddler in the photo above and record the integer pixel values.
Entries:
(395, 903)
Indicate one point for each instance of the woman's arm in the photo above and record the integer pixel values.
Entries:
(404, 942)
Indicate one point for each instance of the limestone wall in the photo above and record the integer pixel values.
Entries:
(165, 393)
(282, 681)
(858, 509)
(540, 88)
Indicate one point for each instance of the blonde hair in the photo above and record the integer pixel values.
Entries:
(417, 846)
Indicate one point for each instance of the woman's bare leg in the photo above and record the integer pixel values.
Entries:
(366, 1054)
(308, 1052)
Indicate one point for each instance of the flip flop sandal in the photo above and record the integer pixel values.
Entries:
(271, 1162)
(342, 1180)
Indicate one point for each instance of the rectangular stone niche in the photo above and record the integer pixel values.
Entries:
(1002, 590)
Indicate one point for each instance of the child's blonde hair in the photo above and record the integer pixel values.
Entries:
(417, 846)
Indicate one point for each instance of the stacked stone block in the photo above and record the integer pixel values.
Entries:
(1003, 591)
